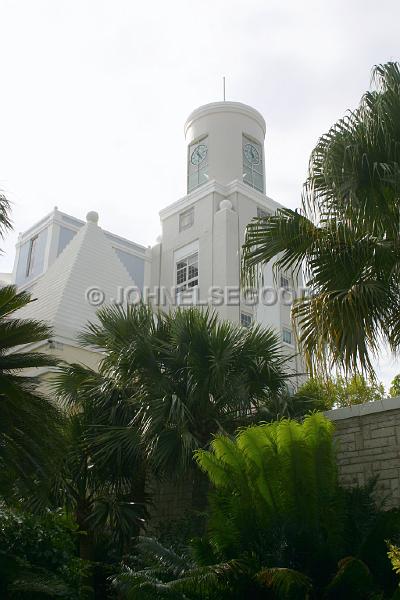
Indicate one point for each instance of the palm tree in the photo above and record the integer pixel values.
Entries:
(5, 222)
(167, 384)
(28, 420)
(346, 238)
(189, 375)
(102, 491)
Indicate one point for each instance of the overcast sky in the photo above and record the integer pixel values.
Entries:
(94, 95)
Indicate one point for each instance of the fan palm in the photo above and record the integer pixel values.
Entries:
(103, 491)
(187, 376)
(346, 237)
(166, 385)
(5, 222)
(28, 420)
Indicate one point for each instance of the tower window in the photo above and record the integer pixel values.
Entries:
(187, 273)
(197, 163)
(30, 265)
(253, 165)
(186, 219)
(287, 336)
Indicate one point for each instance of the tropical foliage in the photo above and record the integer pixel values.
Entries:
(345, 240)
(5, 221)
(189, 398)
(328, 393)
(102, 495)
(395, 386)
(38, 556)
(279, 524)
(175, 380)
(165, 385)
(28, 420)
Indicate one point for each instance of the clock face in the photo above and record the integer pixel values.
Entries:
(199, 154)
(251, 154)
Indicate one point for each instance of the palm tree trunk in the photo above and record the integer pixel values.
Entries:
(86, 553)
(199, 490)
(139, 492)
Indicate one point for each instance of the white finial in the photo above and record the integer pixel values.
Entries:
(92, 217)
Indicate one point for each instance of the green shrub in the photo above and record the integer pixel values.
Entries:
(38, 556)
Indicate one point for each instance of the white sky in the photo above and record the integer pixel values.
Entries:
(94, 95)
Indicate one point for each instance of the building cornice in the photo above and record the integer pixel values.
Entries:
(224, 190)
(56, 217)
(225, 107)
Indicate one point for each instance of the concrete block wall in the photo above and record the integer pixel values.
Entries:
(368, 445)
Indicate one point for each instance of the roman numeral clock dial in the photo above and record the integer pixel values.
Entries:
(251, 154)
(198, 155)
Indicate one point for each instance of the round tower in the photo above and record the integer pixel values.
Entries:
(226, 143)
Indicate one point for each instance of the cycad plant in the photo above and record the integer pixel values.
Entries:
(279, 526)
(345, 238)
(278, 478)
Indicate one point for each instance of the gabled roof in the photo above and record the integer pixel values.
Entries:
(88, 262)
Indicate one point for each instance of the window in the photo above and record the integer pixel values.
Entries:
(284, 282)
(245, 319)
(186, 219)
(253, 166)
(197, 163)
(187, 273)
(31, 255)
(287, 337)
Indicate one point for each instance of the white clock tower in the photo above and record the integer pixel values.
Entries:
(198, 258)
(225, 144)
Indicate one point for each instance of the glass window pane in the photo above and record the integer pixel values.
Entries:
(187, 272)
(245, 319)
(193, 272)
(287, 336)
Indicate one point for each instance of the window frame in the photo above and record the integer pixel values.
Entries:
(184, 285)
(196, 168)
(290, 332)
(30, 262)
(248, 139)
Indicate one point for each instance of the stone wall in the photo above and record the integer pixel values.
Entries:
(368, 443)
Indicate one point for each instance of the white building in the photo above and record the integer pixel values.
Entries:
(66, 262)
